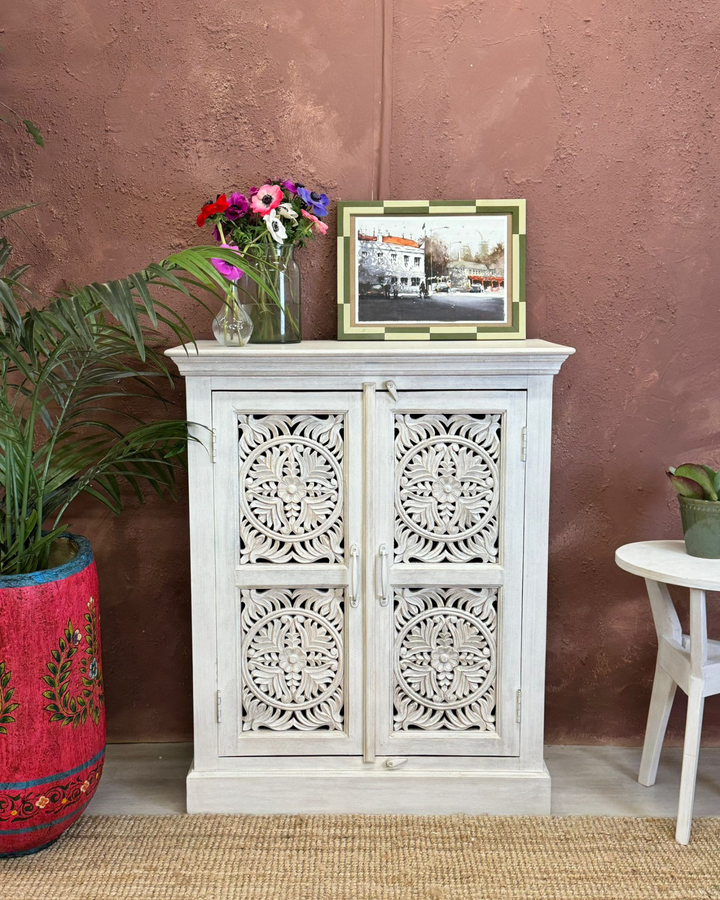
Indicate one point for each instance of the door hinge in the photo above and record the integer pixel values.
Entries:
(213, 445)
(518, 706)
(523, 444)
(218, 706)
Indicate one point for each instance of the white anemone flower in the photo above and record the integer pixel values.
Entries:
(275, 227)
(286, 211)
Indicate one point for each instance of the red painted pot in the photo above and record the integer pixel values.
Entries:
(52, 716)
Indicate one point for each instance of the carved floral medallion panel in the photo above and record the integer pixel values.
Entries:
(292, 659)
(291, 488)
(447, 487)
(444, 659)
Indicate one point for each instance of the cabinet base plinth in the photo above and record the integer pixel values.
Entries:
(374, 792)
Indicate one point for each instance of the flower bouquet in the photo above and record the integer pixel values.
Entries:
(262, 228)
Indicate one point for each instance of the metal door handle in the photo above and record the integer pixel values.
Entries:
(354, 559)
(382, 589)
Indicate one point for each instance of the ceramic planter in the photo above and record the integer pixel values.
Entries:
(52, 716)
(701, 525)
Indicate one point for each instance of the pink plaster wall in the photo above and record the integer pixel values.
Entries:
(602, 114)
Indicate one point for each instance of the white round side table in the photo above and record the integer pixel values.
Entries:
(690, 661)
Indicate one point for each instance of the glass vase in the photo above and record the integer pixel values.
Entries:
(274, 306)
(232, 326)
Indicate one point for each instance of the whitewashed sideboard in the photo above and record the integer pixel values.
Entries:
(368, 527)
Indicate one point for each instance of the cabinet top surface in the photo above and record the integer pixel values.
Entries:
(370, 349)
(322, 360)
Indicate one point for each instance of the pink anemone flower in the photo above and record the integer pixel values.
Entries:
(267, 198)
(232, 273)
(319, 226)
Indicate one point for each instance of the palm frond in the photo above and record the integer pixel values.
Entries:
(68, 370)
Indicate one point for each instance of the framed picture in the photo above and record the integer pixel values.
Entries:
(428, 270)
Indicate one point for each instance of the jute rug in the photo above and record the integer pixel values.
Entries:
(369, 858)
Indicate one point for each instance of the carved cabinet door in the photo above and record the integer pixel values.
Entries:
(450, 485)
(287, 483)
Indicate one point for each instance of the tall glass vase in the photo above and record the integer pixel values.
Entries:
(274, 306)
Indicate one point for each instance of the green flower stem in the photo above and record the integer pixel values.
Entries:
(273, 271)
(232, 302)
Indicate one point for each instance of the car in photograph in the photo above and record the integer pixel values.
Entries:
(374, 290)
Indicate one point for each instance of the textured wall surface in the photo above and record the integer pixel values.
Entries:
(602, 114)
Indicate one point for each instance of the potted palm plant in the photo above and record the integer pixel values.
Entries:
(698, 488)
(69, 371)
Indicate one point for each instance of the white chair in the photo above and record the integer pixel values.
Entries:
(690, 661)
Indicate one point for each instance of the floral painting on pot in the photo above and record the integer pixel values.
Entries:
(52, 703)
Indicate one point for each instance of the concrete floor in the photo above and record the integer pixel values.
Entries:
(149, 779)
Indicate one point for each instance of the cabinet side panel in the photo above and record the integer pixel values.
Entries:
(202, 548)
(534, 627)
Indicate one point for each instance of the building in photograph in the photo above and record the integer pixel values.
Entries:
(389, 265)
(465, 274)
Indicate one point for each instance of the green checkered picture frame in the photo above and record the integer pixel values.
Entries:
(424, 270)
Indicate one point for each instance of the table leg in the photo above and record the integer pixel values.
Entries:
(667, 625)
(691, 748)
(696, 705)
(663, 694)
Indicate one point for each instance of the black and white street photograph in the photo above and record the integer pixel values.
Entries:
(431, 269)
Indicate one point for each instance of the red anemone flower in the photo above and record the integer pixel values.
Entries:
(211, 209)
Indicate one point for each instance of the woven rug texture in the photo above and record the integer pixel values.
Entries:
(369, 858)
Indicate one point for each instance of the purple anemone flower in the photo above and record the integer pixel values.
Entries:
(238, 206)
(316, 203)
(289, 186)
(232, 273)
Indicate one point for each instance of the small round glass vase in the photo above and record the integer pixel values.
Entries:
(232, 326)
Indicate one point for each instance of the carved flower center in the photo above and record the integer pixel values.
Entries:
(444, 659)
(447, 487)
(292, 660)
(291, 489)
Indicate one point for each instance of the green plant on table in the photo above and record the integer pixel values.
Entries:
(698, 482)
